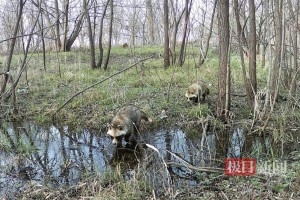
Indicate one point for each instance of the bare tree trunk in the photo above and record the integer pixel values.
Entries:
(166, 35)
(247, 84)
(264, 41)
(150, 18)
(47, 16)
(75, 31)
(284, 61)
(295, 46)
(223, 30)
(252, 49)
(110, 34)
(268, 38)
(175, 31)
(23, 65)
(259, 34)
(12, 46)
(188, 6)
(41, 26)
(278, 48)
(101, 34)
(91, 35)
(57, 24)
(65, 24)
(204, 55)
(241, 28)
(133, 28)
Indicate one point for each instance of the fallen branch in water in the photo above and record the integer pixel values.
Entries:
(186, 164)
(101, 81)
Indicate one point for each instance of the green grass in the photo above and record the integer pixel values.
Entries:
(148, 85)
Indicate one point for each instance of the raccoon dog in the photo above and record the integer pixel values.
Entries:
(125, 123)
(196, 91)
(125, 45)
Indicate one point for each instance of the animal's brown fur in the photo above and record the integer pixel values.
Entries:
(125, 45)
(197, 92)
(126, 122)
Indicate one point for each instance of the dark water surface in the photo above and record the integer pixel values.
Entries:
(59, 155)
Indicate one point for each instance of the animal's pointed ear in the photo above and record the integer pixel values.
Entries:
(109, 126)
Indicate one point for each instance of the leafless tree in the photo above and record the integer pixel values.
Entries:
(252, 49)
(12, 46)
(203, 55)
(188, 7)
(223, 99)
(247, 84)
(100, 60)
(150, 20)
(57, 28)
(110, 34)
(177, 16)
(166, 35)
(295, 69)
(265, 5)
(278, 48)
(11, 91)
(90, 35)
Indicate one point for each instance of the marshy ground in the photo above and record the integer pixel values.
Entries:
(67, 155)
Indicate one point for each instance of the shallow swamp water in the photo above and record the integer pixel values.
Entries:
(59, 155)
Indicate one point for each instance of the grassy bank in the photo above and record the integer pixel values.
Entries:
(147, 85)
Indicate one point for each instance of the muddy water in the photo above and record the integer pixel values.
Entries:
(59, 155)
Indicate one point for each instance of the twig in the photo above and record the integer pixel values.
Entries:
(201, 169)
(101, 81)
(3, 73)
(169, 87)
(224, 195)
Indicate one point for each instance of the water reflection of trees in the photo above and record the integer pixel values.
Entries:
(56, 154)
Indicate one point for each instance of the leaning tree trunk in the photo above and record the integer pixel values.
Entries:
(23, 65)
(223, 103)
(12, 46)
(75, 32)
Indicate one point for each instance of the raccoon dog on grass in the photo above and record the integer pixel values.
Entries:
(196, 91)
(125, 123)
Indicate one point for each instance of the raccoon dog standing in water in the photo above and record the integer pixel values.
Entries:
(125, 123)
(196, 91)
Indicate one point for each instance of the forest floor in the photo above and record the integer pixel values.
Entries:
(160, 93)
